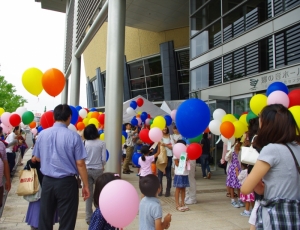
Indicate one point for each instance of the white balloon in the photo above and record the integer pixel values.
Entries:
(72, 127)
(130, 111)
(225, 140)
(219, 114)
(22, 125)
(21, 111)
(214, 127)
(82, 113)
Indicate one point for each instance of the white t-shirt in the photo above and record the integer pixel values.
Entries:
(176, 137)
(168, 140)
(146, 165)
(10, 138)
(185, 173)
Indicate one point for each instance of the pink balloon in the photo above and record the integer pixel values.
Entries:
(178, 149)
(147, 121)
(173, 114)
(139, 120)
(278, 97)
(5, 118)
(155, 134)
(119, 208)
(34, 131)
(5, 129)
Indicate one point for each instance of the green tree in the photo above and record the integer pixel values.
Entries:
(9, 101)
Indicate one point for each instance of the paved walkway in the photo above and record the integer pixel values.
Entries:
(213, 210)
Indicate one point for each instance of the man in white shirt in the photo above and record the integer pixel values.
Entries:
(11, 140)
(129, 150)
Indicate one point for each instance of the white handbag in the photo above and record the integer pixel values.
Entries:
(249, 154)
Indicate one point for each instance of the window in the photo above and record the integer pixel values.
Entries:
(138, 83)
(283, 5)
(152, 66)
(183, 73)
(136, 70)
(229, 4)
(156, 94)
(154, 81)
(184, 91)
(95, 92)
(241, 105)
(196, 4)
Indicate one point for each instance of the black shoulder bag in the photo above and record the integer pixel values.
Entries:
(296, 162)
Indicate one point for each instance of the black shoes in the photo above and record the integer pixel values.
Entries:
(167, 194)
(126, 172)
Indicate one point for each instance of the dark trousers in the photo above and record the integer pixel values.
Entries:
(22, 149)
(11, 158)
(59, 194)
(205, 164)
(168, 175)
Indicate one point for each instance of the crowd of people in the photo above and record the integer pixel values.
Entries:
(66, 162)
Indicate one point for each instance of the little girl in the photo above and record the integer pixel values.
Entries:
(145, 160)
(232, 181)
(97, 221)
(249, 198)
(181, 181)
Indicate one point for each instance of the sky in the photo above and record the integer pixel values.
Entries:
(33, 37)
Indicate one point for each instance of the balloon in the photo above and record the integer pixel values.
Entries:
(173, 114)
(133, 104)
(214, 127)
(32, 124)
(75, 115)
(123, 140)
(225, 140)
(243, 119)
(278, 97)
(207, 130)
(34, 131)
(124, 134)
(1, 111)
(5, 128)
(179, 148)
(134, 122)
(102, 137)
(78, 108)
(47, 120)
(27, 117)
(295, 110)
(144, 136)
(192, 117)
(229, 117)
(218, 114)
(89, 115)
(93, 110)
(40, 129)
(82, 113)
(239, 129)
(94, 121)
(95, 115)
(194, 151)
(144, 116)
(250, 116)
(86, 121)
(107, 155)
(195, 139)
(155, 134)
(53, 81)
(168, 119)
(159, 122)
(277, 86)
(102, 118)
(257, 103)
(135, 159)
(139, 102)
(236, 116)
(32, 81)
(139, 120)
(21, 111)
(147, 121)
(72, 127)
(5, 118)
(227, 129)
(113, 203)
(130, 111)
(14, 119)
(294, 97)
(80, 126)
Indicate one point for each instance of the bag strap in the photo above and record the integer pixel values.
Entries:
(296, 162)
(253, 139)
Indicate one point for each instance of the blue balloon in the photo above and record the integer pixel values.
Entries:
(134, 121)
(93, 110)
(107, 155)
(135, 159)
(277, 86)
(144, 116)
(100, 131)
(75, 115)
(168, 119)
(192, 117)
(124, 134)
(78, 107)
(133, 104)
(40, 129)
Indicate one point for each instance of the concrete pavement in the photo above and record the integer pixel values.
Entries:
(213, 210)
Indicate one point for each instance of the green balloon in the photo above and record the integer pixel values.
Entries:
(27, 117)
(250, 116)
(151, 122)
(196, 139)
(237, 116)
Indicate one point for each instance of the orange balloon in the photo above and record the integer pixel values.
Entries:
(80, 126)
(53, 82)
(153, 168)
(32, 125)
(227, 129)
(95, 115)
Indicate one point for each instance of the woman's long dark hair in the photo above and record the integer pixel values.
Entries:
(144, 150)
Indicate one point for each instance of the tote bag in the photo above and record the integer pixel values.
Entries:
(162, 159)
(249, 154)
(28, 183)
(34, 197)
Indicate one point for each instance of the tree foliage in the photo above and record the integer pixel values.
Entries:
(9, 101)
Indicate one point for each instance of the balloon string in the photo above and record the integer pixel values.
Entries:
(218, 139)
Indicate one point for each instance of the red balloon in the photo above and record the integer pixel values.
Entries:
(144, 136)
(79, 119)
(294, 97)
(101, 118)
(15, 119)
(206, 130)
(47, 120)
(149, 116)
(194, 151)
(140, 102)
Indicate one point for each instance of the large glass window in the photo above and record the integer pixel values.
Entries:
(154, 81)
(229, 4)
(152, 66)
(283, 5)
(95, 92)
(195, 4)
(184, 91)
(183, 73)
(138, 83)
(136, 70)
(156, 94)
(241, 105)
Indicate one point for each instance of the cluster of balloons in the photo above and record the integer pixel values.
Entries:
(52, 81)
(21, 117)
(133, 105)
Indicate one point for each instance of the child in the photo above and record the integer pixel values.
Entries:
(249, 198)
(145, 160)
(232, 181)
(97, 221)
(124, 152)
(150, 214)
(181, 181)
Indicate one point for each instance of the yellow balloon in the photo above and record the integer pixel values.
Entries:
(89, 115)
(32, 81)
(139, 112)
(102, 137)
(229, 117)
(257, 103)
(94, 121)
(295, 110)
(239, 129)
(243, 119)
(123, 140)
(85, 121)
(159, 122)
(1, 111)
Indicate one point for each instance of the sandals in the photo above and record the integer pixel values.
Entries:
(180, 209)
(228, 194)
(186, 208)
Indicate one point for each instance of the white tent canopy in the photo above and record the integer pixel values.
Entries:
(168, 106)
(147, 107)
